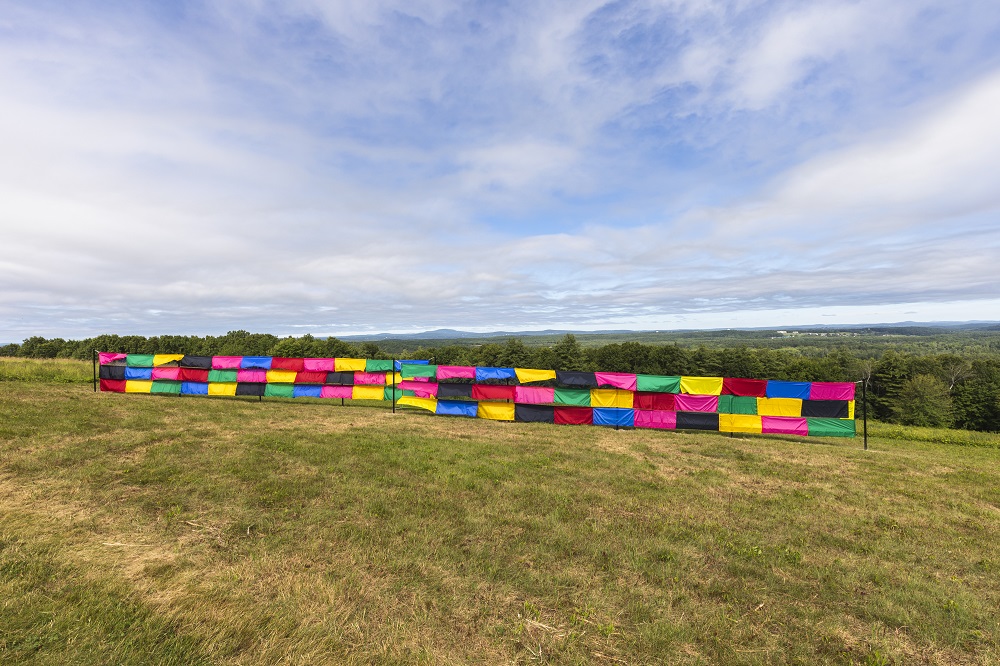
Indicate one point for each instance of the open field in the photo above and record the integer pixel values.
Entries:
(145, 529)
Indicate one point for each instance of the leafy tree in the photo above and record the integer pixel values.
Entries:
(569, 354)
(923, 400)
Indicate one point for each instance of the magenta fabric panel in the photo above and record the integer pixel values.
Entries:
(419, 379)
(369, 378)
(534, 395)
(108, 357)
(421, 389)
(831, 391)
(622, 380)
(655, 419)
(318, 364)
(784, 425)
(251, 376)
(167, 373)
(456, 372)
(226, 362)
(684, 402)
(337, 392)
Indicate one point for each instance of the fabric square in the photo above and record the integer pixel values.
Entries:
(779, 406)
(456, 372)
(138, 386)
(220, 376)
(658, 383)
(285, 363)
(496, 411)
(281, 376)
(307, 391)
(279, 390)
(684, 402)
(527, 375)
(255, 363)
(114, 372)
(251, 376)
(534, 414)
(430, 404)
(658, 402)
(113, 385)
(193, 375)
(349, 364)
(487, 374)
(138, 373)
(378, 365)
(832, 409)
(199, 362)
(457, 408)
(620, 380)
(534, 395)
(173, 374)
(820, 427)
(748, 423)
(576, 379)
(110, 357)
(610, 416)
(318, 365)
(226, 362)
(447, 390)
(166, 359)
(697, 421)
(574, 415)
(310, 377)
(342, 392)
(572, 396)
(139, 360)
(492, 392)
(752, 388)
(777, 389)
(783, 425)
(369, 378)
(831, 391)
(166, 386)
(194, 388)
(701, 385)
(611, 398)
(250, 388)
(660, 419)
(737, 404)
(222, 388)
(368, 393)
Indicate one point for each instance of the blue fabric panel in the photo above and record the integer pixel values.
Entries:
(776, 389)
(194, 388)
(482, 374)
(399, 364)
(457, 408)
(256, 363)
(138, 373)
(306, 391)
(614, 416)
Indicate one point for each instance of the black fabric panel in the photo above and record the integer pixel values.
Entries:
(340, 378)
(834, 409)
(576, 379)
(200, 362)
(697, 421)
(534, 414)
(113, 372)
(454, 390)
(250, 388)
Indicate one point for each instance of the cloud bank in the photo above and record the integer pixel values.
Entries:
(338, 167)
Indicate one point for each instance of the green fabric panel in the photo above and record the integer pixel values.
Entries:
(658, 383)
(820, 427)
(409, 394)
(166, 386)
(737, 404)
(373, 365)
(411, 370)
(139, 360)
(222, 376)
(388, 393)
(571, 396)
(279, 391)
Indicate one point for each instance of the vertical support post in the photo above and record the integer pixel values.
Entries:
(864, 408)
(392, 384)
(93, 359)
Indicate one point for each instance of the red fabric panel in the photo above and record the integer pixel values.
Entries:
(751, 388)
(113, 385)
(574, 415)
(193, 375)
(490, 392)
(282, 363)
(663, 402)
(305, 377)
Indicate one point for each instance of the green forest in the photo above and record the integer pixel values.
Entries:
(919, 376)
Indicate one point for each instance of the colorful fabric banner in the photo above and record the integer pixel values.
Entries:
(734, 405)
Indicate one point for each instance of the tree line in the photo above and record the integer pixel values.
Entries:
(943, 389)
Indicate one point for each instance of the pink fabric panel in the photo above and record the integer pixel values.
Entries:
(419, 379)
(369, 378)
(534, 395)
(684, 402)
(422, 389)
(456, 372)
(226, 362)
(336, 392)
(318, 364)
(621, 380)
(831, 391)
(784, 425)
(167, 373)
(251, 376)
(108, 357)
(655, 419)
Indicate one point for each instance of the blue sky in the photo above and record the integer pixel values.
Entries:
(343, 167)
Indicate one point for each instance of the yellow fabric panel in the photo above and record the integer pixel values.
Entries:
(163, 359)
(349, 364)
(779, 407)
(138, 386)
(429, 404)
(281, 376)
(850, 409)
(739, 423)
(701, 385)
(392, 379)
(526, 375)
(368, 393)
(497, 411)
(222, 388)
(610, 398)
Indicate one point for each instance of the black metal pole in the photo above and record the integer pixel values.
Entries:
(93, 359)
(392, 384)
(864, 408)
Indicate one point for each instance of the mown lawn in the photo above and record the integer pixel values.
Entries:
(164, 530)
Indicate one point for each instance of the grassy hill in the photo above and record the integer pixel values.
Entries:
(142, 529)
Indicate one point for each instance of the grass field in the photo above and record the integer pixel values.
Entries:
(163, 530)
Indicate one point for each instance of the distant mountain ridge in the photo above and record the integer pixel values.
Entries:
(453, 334)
